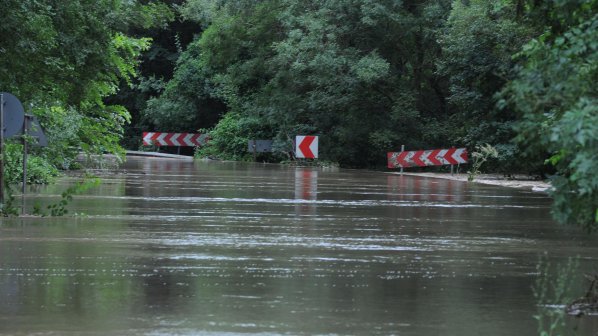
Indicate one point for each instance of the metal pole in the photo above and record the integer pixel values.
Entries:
(1, 148)
(452, 166)
(402, 150)
(25, 128)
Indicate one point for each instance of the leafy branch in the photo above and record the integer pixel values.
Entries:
(59, 209)
(481, 155)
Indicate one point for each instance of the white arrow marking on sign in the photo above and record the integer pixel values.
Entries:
(187, 140)
(457, 155)
(148, 137)
(409, 156)
(441, 155)
(160, 139)
(179, 139)
(425, 159)
(199, 140)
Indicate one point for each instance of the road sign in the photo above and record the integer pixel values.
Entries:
(174, 139)
(306, 147)
(422, 158)
(13, 114)
(259, 146)
(34, 129)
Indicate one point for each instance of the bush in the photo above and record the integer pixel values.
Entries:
(555, 92)
(39, 169)
(229, 138)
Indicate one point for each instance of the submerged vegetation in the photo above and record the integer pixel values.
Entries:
(481, 155)
(60, 208)
(366, 76)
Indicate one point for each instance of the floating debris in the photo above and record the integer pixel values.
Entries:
(588, 304)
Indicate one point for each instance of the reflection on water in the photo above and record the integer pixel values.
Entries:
(165, 247)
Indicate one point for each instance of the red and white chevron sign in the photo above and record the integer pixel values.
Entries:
(306, 147)
(174, 139)
(422, 158)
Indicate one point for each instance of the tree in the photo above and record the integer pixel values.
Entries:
(170, 35)
(357, 72)
(195, 97)
(62, 59)
(477, 42)
(556, 96)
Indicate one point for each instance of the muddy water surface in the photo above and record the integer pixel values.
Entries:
(165, 247)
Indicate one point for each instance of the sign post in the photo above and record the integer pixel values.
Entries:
(402, 150)
(25, 127)
(13, 121)
(36, 133)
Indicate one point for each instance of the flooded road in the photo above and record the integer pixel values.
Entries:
(165, 247)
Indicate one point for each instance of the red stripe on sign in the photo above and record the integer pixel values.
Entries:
(392, 159)
(417, 159)
(433, 157)
(181, 139)
(195, 140)
(167, 139)
(449, 156)
(401, 159)
(464, 156)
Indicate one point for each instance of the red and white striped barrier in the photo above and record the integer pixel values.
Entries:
(174, 139)
(422, 158)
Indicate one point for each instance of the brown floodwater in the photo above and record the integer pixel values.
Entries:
(167, 247)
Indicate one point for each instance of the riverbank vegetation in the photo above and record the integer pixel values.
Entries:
(366, 76)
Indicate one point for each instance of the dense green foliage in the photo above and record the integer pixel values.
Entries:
(309, 67)
(477, 44)
(62, 59)
(39, 171)
(366, 76)
(556, 94)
